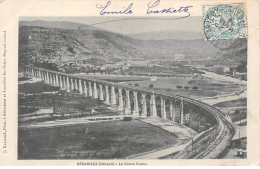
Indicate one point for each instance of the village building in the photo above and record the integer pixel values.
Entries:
(137, 63)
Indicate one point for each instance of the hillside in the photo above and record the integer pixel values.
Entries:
(63, 45)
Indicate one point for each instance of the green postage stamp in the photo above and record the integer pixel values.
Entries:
(224, 21)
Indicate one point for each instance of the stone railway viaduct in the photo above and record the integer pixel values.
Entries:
(137, 101)
(131, 100)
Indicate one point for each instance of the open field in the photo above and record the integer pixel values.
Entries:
(236, 109)
(237, 116)
(70, 102)
(206, 87)
(233, 103)
(58, 101)
(36, 88)
(114, 139)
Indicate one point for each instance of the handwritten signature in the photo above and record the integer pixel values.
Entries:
(104, 10)
(181, 9)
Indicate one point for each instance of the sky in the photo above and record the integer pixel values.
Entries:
(132, 26)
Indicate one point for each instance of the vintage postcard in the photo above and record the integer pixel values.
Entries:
(129, 83)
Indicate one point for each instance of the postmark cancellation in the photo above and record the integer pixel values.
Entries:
(224, 21)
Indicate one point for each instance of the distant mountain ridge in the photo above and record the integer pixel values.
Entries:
(158, 35)
(54, 24)
(170, 34)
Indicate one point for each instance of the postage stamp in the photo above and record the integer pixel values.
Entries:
(224, 21)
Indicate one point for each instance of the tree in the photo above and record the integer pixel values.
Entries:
(236, 112)
(136, 85)
(178, 87)
(186, 87)
(194, 87)
(242, 67)
(71, 49)
(151, 86)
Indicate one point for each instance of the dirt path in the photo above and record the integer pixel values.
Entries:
(222, 77)
(71, 121)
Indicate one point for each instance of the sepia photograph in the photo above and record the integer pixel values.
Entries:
(133, 88)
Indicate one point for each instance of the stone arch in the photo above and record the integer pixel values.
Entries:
(117, 95)
(80, 85)
(158, 103)
(109, 93)
(106, 94)
(140, 102)
(124, 98)
(84, 87)
(99, 89)
(92, 84)
(90, 89)
(168, 108)
(177, 110)
(76, 84)
(131, 97)
(72, 83)
(103, 90)
(148, 98)
(61, 78)
(187, 112)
